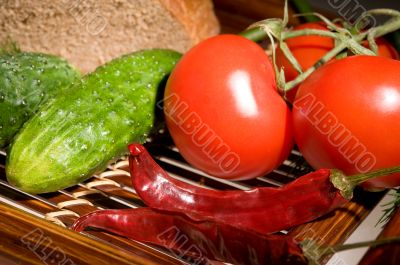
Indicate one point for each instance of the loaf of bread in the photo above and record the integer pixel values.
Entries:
(91, 32)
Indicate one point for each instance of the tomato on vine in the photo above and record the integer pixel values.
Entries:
(223, 110)
(346, 115)
(309, 49)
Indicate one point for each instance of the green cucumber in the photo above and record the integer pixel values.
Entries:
(26, 81)
(78, 132)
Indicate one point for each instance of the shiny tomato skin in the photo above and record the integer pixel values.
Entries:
(226, 87)
(347, 116)
(385, 49)
(309, 49)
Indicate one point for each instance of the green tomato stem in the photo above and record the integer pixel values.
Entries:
(258, 34)
(308, 32)
(344, 39)
(254, 34)
(328, 56)
(390, 26)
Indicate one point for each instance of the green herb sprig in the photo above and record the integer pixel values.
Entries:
(390, 207)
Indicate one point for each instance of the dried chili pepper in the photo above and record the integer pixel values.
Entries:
(198, 241)
(264, 210)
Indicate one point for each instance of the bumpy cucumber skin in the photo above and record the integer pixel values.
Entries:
(26, 81)
(77, 133)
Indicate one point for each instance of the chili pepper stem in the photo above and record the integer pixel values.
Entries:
(342, 183)
(346, 184)
(359, 178)
(373, 243)
(314, 251)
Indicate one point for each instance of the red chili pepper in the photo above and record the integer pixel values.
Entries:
(264, 210)
(194, 240)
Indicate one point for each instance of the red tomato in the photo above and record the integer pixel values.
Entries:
(306, 49)
(385, 49)
(347, 116)
(309, 49)
(223, 111)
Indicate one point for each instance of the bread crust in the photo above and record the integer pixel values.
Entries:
(196, 16)
(91, 32)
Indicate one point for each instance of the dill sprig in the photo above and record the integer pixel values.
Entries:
(390, 207)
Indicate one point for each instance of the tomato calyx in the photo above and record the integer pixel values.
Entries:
(345, 39)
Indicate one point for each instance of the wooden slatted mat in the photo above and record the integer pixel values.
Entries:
(34, 228)
(112, 189)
